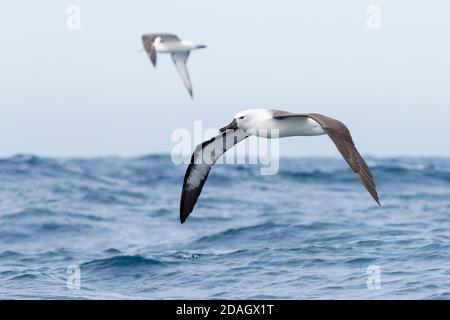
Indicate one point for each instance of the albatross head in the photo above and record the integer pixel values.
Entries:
(248, 119)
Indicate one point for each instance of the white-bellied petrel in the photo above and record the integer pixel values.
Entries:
(179, 49)
(261, 122)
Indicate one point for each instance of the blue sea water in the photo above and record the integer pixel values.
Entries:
(309, 232)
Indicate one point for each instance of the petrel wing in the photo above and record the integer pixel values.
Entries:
(340, 135)
(202, 160)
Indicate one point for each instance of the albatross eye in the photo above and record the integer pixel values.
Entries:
(242, 117)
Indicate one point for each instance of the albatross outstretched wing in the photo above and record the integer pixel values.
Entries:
(340, 135)
(180, 59)
(203, 158)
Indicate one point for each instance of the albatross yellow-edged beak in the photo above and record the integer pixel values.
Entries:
(232, 125)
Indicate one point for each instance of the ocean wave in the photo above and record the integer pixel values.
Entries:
(25, 277)
(266, 231)
(146, 170)
(384, 173)
(122, 261)
(103, 171)
(38, 213)
(234, 232)
(10, 254)
(304, 233)
(21, 166)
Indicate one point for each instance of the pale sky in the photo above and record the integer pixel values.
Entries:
(89, 93)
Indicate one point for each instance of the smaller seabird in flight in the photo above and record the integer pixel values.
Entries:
(260, 122)
(179, 49)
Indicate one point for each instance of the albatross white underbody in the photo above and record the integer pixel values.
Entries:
(269, 124)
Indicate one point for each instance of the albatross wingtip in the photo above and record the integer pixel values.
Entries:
(184, 214)
(377, 199)
(182, 217)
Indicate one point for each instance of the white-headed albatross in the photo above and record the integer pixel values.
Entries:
(260, 122)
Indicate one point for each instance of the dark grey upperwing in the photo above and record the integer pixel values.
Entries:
(203, 158)
(148, 40)
(342, 138)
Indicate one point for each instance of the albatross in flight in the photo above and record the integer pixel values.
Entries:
(260, 122)
(179, 49)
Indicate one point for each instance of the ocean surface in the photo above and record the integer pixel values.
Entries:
(108, 228)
